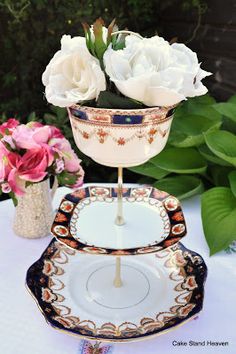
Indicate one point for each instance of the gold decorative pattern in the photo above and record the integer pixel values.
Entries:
(100, 113)
(102, 134)
(103, 195)
(181, 308)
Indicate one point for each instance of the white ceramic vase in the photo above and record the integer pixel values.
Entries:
(33, 213)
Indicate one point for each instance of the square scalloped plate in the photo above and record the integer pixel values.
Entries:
(85, 221)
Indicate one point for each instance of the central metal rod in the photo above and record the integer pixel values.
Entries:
(119, 218)
(117, 281)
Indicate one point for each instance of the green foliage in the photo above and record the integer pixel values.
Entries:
(228, 109)
(150, 169)
(108, 99)
(232, 181)
(66, 178)
(179, 160)
(30, 36)
(181, 186)
(219, 218)
(223, 145)
(201, 154)
(96, 44)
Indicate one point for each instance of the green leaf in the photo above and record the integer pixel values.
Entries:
(219, 174)
(14, 198)
(179, 160)
(202, 106)
(229, 124)
(110, 29)
(32, 117)
(228, 109)
(99, 44)
(66, 178)
(202, 100)
(89, 41)
(219, 218)
(208, 154)
(232, 181)
(232, 99)
(150, 170)
(187, 130)
(119, 45)
(60, 112)
(180, 186)
(222, 144)
(108, 99)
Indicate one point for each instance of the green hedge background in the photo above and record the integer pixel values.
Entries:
(30, 32)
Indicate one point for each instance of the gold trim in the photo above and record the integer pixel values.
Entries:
(118, 111)
(173, 313)
(137, 339)
(120, 126)
(75, 215)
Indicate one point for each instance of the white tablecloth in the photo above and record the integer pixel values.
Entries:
(23, 329)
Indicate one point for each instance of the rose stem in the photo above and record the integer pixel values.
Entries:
(117, 281)
(119, 218)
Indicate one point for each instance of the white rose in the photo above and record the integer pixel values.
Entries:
(152, 71)
(185, 59)
(73, 75)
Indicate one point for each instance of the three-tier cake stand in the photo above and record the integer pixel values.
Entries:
(118, 298)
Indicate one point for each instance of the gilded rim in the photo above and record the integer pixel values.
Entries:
(192, 259)
(120, 126)
(121, 118)
(143, 111)
(62, 227)
(151, 336)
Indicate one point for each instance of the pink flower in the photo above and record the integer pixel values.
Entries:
(65, 151)
(27, 137)
(45, 146)
(34, 124)
(56, 133)
(2, 170)
(60, 166)
(8, 126)
(3, 150)
(8, 139)
(4, 166)
(33, 136)
(30, 167)
(6, 187)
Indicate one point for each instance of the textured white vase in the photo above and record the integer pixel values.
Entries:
(34, 214)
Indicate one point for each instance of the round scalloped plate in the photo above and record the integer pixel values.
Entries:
(75, 292)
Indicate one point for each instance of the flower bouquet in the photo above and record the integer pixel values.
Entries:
(29, 155)
(121, 90)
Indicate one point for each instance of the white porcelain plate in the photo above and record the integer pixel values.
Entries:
(75, 292)
(85, 221)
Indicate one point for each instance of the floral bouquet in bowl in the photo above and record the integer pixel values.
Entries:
(29, 155)
(120, 90)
